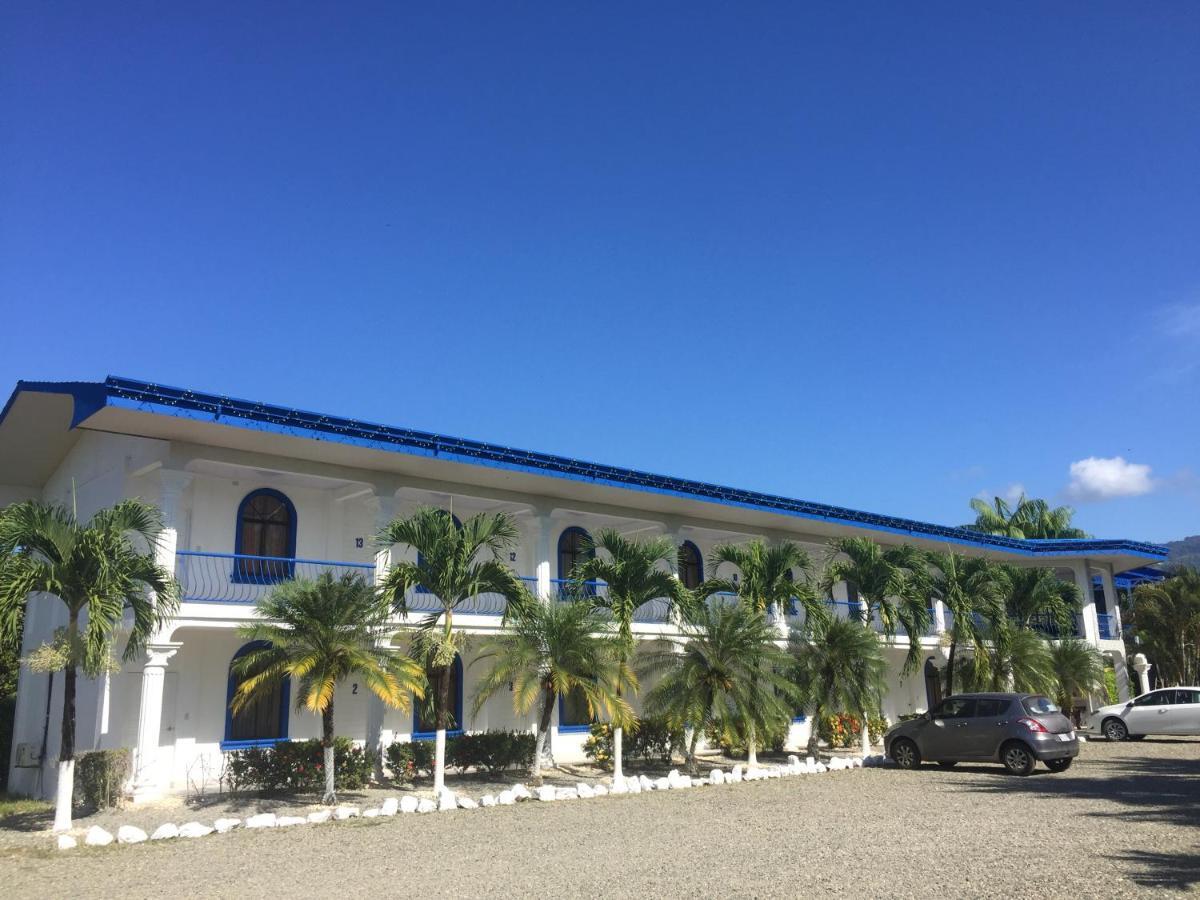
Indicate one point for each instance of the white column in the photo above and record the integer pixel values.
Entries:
(1110, 601)
(1083, 580)
(939, 616)
(147, 781)
(173, 484)
(1121, 671)
(384, 508)
(1142, 667)
(544, 526)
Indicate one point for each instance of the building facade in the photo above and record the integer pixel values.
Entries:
(253, 493)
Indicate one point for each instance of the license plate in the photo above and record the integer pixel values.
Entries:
(1069, 736)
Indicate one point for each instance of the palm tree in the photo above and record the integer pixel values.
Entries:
(1078, 672)
(766, 585)
(730, 677)
(1030, 519)
(634, 577)
(320, 633)
(839, 667)
(891, 581)
(552, 650)
(1039, 596)
(1166, 620)
(456, 563)
(1018, 662)
(100, 570)
(971, 591)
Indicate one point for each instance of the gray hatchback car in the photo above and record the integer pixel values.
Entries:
(1014, 729)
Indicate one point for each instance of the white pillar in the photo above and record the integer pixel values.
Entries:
(1110, 601)
(1083, 580)
(384, 508)
(544, 527)
(173, 484)
(939, 616)
(1142, 667)
(148, 781)
(1121, 671)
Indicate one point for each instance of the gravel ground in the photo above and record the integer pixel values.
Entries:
(1124, 819)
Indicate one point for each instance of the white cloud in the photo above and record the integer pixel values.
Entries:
(1097, 478)
(1010, 494)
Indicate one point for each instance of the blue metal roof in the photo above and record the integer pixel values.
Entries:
(161, 399)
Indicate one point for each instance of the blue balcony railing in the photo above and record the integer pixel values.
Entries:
(655, 612)
(422, 602)
(1049, 626)
(236, 578)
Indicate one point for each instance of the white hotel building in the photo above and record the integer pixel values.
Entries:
(251, 491)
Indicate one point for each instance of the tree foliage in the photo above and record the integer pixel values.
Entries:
(1165, 619)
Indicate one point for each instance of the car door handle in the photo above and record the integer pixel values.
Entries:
(960, 724)
(1001, 724)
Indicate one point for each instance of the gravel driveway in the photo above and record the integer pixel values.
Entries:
(1124, 819)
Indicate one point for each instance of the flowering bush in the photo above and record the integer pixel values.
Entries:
(297, 766)
(845, 729)
(406, 760)
(651, 738)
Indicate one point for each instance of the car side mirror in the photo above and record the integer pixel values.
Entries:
(1129, 705)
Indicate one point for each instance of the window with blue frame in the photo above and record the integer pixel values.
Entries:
(574, 547)
(424, 722)
(421, 589)
(573, 715)
(265, 542)
(263, 721)
(691, 565)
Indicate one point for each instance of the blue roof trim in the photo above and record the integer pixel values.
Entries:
(132, 394)
(89, 397)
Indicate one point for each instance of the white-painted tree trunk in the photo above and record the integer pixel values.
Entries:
(751, 749)
(66, 788)
(866, 738)
(617, 734)
(439, 761)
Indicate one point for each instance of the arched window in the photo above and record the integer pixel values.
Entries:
(574, 546)
(691, 565)
(424, 724)
(262, 722)
(266, 538)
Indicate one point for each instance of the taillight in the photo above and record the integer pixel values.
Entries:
(1034, 725)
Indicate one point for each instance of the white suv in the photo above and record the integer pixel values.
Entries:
(1165, 711)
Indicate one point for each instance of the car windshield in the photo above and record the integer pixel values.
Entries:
(1039, 706)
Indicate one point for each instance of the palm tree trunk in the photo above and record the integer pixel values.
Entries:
(543, 735)
(66, 752)
(330, 797)
(693, 768)
(751, 749)
(950, 667)
(443, 712)
(812, 732)
(866, 736)
(618, 733)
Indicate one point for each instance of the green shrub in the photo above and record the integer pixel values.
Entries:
(406, 760)
(733, 741)
(298, 766)
(1110, 684)
(494, 751)
(99, 778)
(845, 729)
(650, 739)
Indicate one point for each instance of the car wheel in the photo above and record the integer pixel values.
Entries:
(905, 754)
(948, 763)
(1017, 758)
(1059, 765)
(1115, 730)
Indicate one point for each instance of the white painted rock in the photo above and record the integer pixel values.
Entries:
(821, 767)
(716, 776)
(793, 760)
(390, 807)
(447, 801)
(546, 793)
(262, 820)
(699, 782)
(425, 805)
(408, 804)
(646, 783)
(568, 793)
(662, 784)
(223, 826)
(487, 800)
(97, 837)
(600, 791)
(66, 842)
(467, 803)
(585, 791)
(619, 786)
(286, 821)
(162, 832)
(194, 830)
(857, 761)
(520, 792)
(128, 834)
(372, 813)
(320, 816)
(346, 812)
(506, 798)
(735, 774)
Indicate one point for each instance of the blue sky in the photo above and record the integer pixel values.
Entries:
(886, 257)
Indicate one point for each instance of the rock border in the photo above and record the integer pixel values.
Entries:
(448, 800)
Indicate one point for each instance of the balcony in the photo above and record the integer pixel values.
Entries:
(234, 578)
(422, 602)
(1049, 626)
(656, 612)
